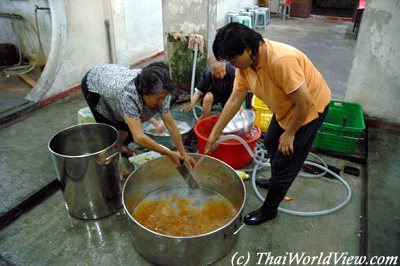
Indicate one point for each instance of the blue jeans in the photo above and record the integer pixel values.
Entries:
(284, 169)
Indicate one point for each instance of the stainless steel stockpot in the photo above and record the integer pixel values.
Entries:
(86, 158)
(160, 249)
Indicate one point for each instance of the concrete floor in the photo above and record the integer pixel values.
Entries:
(13, 91)
(368, 225)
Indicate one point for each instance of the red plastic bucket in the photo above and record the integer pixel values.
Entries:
(229, 151)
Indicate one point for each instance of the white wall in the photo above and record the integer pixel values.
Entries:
(82, 44)
(86, 43)
(80, 39)
(375, 75)
(185, 16)
(75, 36)
(138, 29)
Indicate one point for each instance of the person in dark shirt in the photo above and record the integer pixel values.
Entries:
(215, 85)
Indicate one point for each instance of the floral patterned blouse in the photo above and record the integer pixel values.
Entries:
(118, 94)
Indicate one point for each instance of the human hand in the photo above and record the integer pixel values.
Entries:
(187, 108)
(160, 128)
(286, 141)
(189, 161)
(210, 145)
(175, 157)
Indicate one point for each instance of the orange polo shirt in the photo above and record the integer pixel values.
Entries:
(281, 70)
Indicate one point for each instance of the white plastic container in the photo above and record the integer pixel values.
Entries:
(85, 116)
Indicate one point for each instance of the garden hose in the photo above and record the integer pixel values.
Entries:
(22, 69)
(260, 159)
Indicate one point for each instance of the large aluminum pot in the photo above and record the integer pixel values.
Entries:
(203, 249)
(166, 140)
(86, 160)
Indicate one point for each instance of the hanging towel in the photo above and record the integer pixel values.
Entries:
(196, 39)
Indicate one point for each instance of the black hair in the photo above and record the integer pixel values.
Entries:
(233, 38)
(154, 78)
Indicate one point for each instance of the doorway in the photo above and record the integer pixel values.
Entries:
(334, 8)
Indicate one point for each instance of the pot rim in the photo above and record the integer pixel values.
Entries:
(252, 116)
(195, 236)
(172, 112)
(84, 155)
(169, 136)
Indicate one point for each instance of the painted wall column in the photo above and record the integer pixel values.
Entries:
(58, 40)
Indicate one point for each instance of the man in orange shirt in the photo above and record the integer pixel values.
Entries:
(287, 81)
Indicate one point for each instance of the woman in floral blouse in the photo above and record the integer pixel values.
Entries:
(124, 98)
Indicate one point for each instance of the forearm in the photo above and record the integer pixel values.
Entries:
(154, 122)
(142, 139)
(299, 116)
(177, 139)
(146, 142)
(173, 132)
(195, 98)
(302, 105)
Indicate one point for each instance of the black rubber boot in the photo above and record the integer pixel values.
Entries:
(269, 209)
(263, 183)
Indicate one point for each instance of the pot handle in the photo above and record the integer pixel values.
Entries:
(109, 158)
(235, 232)
(240, 228)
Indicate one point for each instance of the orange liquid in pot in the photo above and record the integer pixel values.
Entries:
(181, 216)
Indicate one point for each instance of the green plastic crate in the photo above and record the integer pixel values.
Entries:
(342, 127)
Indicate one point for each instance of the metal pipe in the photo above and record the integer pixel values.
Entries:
(12, 16)
(41, 8)
(110, 56)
